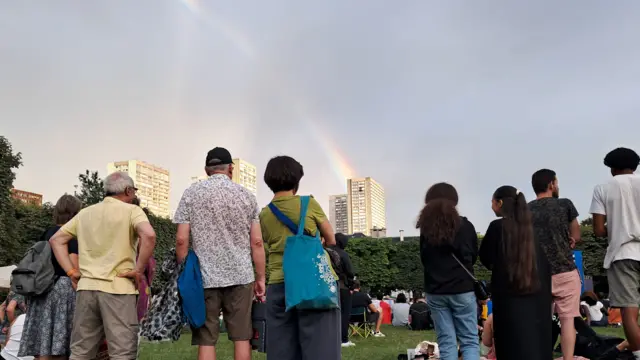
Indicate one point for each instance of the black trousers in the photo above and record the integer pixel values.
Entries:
(345, 308)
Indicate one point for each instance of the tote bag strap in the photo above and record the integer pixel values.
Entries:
(304, 205)
(283, 219)
(464, 267)
(295, 229)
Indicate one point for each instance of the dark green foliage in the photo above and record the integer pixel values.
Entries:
(593, 251)
(91, 188)
(9, 236)
(165, 240)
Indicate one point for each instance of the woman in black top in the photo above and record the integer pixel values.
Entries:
(520, 280)
(443, 235)
(47, 328)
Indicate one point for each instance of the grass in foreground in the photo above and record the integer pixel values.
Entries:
(388, 348)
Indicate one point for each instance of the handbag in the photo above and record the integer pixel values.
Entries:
(478, 286)
(309, 282)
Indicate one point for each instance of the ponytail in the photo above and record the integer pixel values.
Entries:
(518, 241)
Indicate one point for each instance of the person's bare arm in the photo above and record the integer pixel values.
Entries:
(599, 227)
(326, 230)
(487, 333)
(182, 241)
(259, 261)
(147, 243)
(75, 261)
(11, 311)
(257, 251)
(574, 228)
(3, 311)
(373, 308)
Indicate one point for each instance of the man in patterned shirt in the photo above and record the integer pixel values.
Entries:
(556, 227)
(222, 218)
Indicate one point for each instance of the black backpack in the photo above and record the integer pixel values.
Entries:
(336, 264)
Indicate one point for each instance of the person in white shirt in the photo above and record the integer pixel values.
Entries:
(11, 348)
(596, 312)
(617, 203)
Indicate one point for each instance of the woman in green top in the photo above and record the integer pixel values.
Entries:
(296, 334)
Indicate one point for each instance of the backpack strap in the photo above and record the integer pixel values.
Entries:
(304, 205)
(283, 218)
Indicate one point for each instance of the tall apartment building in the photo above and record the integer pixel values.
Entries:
(152, 183)
(366, 206)
(339, 213)
(27, 197)
(244, 174)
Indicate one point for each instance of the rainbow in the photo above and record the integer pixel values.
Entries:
(340, 166)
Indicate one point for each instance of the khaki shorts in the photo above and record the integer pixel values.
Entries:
(99, 315)
(235, 303)
(565, 289)
(624, 281)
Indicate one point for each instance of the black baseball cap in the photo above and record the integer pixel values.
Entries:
(218, 156)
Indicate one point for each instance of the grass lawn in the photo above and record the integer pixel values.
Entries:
(388, 348)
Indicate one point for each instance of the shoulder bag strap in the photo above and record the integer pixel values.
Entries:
(464, 267)
(304, 205)
(283, 218)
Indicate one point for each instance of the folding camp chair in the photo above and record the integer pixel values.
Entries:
(359, 324)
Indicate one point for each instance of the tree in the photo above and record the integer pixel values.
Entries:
(9, 239)
(91, 188)
(407, 266)
(587, 222)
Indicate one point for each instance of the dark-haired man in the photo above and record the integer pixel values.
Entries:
(617, 203)
(556, 227)
(361, 300)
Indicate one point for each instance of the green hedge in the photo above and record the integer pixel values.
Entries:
(381, 265)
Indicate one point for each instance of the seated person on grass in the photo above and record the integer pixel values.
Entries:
(362, 300)
(419, 314)
(597, 313)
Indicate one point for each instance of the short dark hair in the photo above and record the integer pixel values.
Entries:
(541, 179)
(66, 208)
(622, 159)
(401, 298)
(356, 284)
(283, 173)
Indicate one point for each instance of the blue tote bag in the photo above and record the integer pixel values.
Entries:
(308, 280)
(192, 291)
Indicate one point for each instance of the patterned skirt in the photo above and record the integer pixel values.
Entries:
(47, 327)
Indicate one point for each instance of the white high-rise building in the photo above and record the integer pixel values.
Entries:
(339, 213)
(366, 206)
(152, 182)
(244, 174)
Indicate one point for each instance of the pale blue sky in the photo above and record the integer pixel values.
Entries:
(476, 93)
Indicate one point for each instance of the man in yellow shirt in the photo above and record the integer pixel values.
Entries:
(108, 273)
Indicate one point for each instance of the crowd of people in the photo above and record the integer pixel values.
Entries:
(104, 260)
(529, 251)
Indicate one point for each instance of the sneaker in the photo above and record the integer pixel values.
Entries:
(378, 334)
(348, 344)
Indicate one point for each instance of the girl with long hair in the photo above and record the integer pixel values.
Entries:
(444, 237)
(520, 280)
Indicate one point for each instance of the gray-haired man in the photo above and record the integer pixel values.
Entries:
(108, 273)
